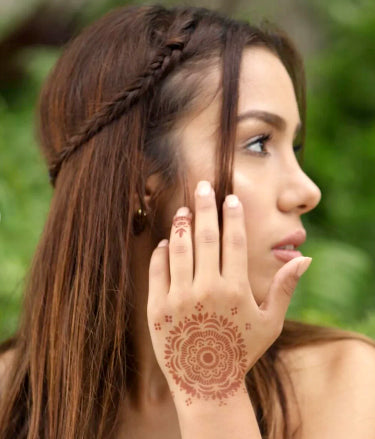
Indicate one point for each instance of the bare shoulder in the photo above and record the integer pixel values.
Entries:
(334, 384)
(6, 360)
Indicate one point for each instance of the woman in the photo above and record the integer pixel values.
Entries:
(122, 338)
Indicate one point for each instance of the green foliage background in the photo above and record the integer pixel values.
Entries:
(338, 288)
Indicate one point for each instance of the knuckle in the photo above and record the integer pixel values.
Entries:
(207, 236)
(277, 328)
(235, 296)
(206, 294)
(178, 248)
(156, 269)
(273, 325)
(179, 305)
(207, 289)
(288, 286)
(236, 240)
(154, 311)
(242, 288)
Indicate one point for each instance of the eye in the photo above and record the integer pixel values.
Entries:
(259, 142)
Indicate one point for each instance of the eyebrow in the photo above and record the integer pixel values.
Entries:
(265, 116)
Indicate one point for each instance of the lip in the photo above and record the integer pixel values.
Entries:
(297, 238)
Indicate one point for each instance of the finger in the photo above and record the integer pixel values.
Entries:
(181, 250)
(282, 288)
(158, 276)
(234, 248)
(206, 232)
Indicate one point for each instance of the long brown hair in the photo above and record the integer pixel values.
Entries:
(106, 117)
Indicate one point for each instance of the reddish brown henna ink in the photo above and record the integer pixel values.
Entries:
(206, 356)
(234, 311)
(221, 402)
(181, 223)
(248, 326)
(168, 318)
(157, 326)
(199, 307)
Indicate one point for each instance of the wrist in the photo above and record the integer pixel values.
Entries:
(187, 404)
(233, 416)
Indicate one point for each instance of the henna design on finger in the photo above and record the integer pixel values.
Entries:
(168, 318)
(206, 356)
(181, 223)
(157, 326)
(199, 306)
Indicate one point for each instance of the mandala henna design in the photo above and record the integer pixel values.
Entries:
(206, 356)
(181, 223)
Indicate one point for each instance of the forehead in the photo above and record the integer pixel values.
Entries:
(265, 84)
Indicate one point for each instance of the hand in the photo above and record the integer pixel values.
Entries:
(207, 331)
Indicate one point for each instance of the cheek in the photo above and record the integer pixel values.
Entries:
(258, 201)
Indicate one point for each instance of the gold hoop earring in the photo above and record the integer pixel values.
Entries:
(139, 221)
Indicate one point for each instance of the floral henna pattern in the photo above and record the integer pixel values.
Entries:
(206, 356)
(181, 223)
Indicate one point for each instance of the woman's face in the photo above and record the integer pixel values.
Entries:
(273, 189)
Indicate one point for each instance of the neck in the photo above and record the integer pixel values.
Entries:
(149, 386)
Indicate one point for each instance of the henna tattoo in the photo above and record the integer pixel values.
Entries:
(206, 356)
(248, 326)
(157, 326)
(181, 223)
(168, 318)
(199, 307)
(234, 311)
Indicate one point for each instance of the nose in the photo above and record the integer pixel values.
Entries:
(297, 192)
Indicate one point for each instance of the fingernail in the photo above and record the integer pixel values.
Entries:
(163, 243)
(232, 200)
(204, 188)
(183, 211)
(303, 266)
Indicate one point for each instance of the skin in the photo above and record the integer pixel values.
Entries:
(334, 377)
(274, 192)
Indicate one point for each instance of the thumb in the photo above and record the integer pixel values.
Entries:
(282, 287)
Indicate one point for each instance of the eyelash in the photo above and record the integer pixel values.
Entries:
(264, 139)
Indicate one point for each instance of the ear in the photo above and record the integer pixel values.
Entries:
(152, 184)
